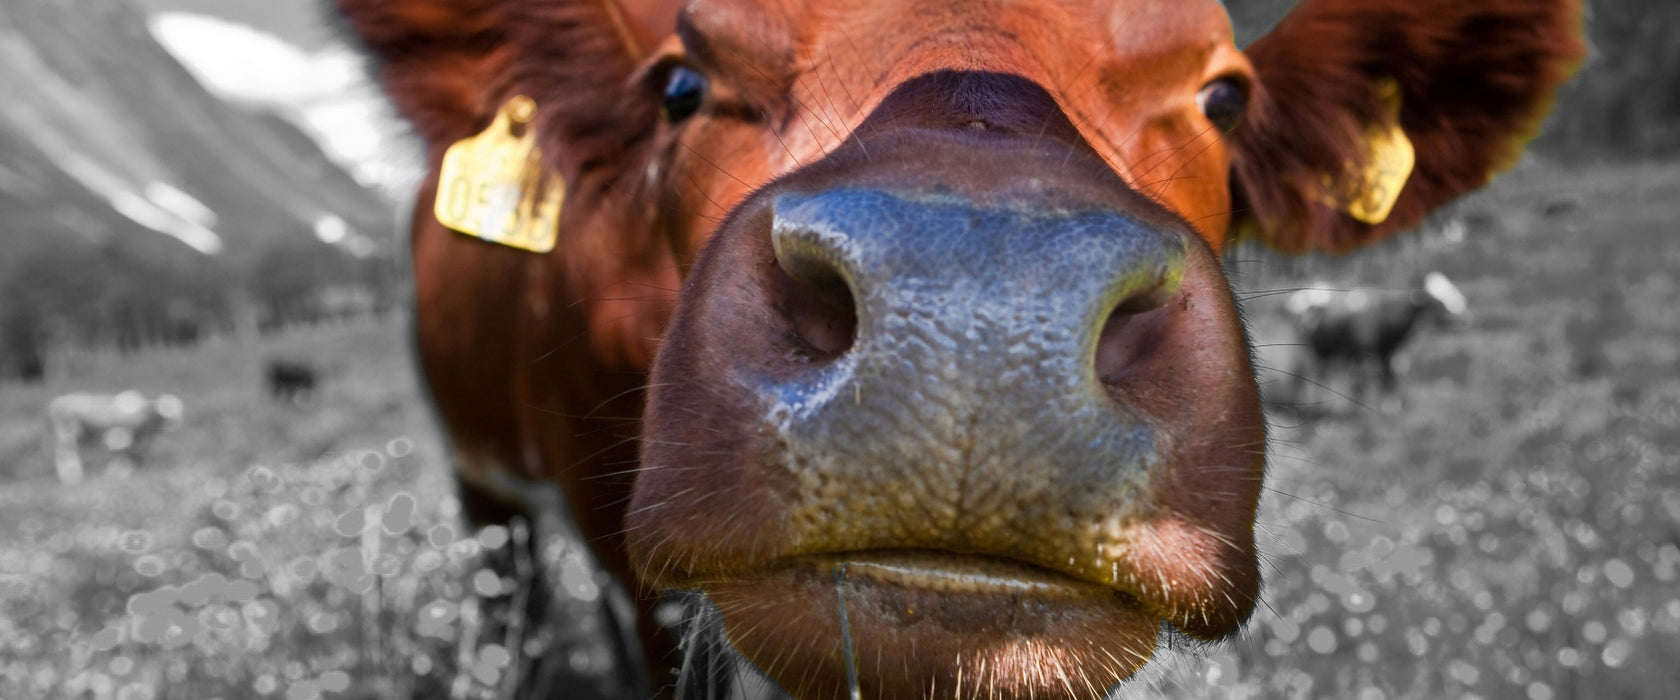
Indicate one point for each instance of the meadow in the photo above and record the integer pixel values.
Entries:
(1512, 532)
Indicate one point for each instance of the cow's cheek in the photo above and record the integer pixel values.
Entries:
(715, 166)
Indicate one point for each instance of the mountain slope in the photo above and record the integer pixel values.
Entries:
(122, 173)
(101, 102)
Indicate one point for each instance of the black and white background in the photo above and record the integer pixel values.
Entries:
(201, 198)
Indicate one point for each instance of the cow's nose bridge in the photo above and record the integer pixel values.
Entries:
(997, 102)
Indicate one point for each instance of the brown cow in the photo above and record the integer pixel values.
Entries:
(954, 398)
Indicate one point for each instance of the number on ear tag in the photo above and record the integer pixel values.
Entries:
(493, 186)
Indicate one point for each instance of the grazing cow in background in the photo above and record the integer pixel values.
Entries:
(291, 381)
(1562, 206)
(122, 424)
(1362, 329)
(953, 399)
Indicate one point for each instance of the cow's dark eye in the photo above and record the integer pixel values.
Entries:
(683, 92)
(1223, 101)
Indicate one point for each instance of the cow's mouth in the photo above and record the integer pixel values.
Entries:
(950, 572)
(922, 623)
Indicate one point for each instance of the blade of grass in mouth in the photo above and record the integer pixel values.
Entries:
(846, 633)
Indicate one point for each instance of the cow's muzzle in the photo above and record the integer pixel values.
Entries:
(970, 377)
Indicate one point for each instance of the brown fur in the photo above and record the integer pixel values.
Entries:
(538, 364)
(450, 65)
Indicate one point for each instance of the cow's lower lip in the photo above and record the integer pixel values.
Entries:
(922, 622)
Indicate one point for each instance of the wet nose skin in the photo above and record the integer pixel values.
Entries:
(967, 412)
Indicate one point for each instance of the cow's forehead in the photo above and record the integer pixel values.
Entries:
(892, 40)
(1125, 73)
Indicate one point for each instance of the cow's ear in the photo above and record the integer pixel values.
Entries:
(1349, 92)
(450, 65)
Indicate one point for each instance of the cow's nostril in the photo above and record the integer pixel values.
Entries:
(1118, 345)
(1133, 329)
(818, 303)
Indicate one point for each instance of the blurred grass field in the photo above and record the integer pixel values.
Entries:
(261, 549)
(1513, 533)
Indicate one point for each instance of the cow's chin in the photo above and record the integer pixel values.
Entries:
(927, 624)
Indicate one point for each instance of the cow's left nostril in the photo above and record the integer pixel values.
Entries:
(818, 303)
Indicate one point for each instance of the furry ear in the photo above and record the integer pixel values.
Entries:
(1474, 80)
(439, 61)
(449, 66)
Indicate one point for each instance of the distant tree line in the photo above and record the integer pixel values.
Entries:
(297, 280)
(64, 293)
(1626, 100)
(125, 295)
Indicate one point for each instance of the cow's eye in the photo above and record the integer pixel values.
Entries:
(683, 93)
(1223, 102)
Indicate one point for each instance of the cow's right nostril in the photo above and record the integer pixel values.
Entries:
(1133, 328)
(817, 301)
(1126, 339)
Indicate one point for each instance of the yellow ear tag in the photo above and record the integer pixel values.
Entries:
(1389, 159)
(1388, 163)
(493, 186)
